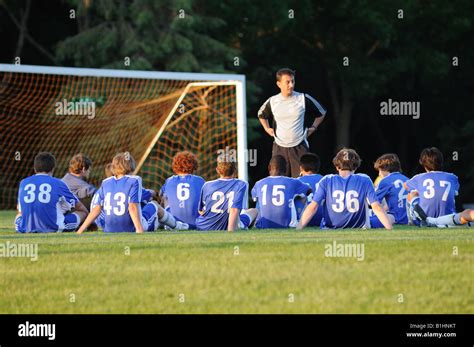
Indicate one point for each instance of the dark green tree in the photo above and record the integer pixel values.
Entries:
(159, 35)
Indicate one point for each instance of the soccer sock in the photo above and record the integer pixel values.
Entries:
(410, 211)
(457, 219)
(168, 219)
(415, 200)
(449, 219)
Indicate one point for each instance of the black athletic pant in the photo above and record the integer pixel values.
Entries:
(292, 156)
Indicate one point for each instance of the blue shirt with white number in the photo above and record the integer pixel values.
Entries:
(391, 189)
(182, 193)
(115, 195)
(217, 198)
(43, 200)
(300, 204)
(437, 191)
(147, 196)
(275, 196)
(344, 200)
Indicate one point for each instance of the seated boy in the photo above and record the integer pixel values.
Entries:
(120, 197)
(390, 187)
(147, 196)
(44, 201)
(309, 168)
(79, 171)
(275, 195)
(180, 193)
(433, 190)
(222, 201)
(344, 197)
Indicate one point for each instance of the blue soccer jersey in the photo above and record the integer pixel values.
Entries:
(115, 195)
(43, 200)
(344, 200)
(217, 198)
(147, 196)
(391, 189)
(275, 196)
(300, 204)
(182, 193)
(437, 191)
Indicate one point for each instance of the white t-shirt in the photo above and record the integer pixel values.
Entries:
(287, 116)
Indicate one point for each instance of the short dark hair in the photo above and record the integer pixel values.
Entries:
(79, 162)
(431, 159)
(44, 162)
(347, 159)
(285, 71)
(310, 162)
(388, 162)
(277, 164)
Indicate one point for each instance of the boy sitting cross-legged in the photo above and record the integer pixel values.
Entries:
(344, 197)
(80, 167)
(222, 201)
(120, 197)
(180, 193)
(309, 168)
(45, 202)
(275, 195)
(435, 190)
(390, 188)
(147, 196)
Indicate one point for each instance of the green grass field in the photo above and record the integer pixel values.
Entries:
(244, 272)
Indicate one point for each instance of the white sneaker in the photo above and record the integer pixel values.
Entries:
(181, 226)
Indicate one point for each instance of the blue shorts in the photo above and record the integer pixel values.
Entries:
(150, 216)
(71, 222)
(375, 223)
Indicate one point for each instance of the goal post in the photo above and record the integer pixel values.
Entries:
(150, 114)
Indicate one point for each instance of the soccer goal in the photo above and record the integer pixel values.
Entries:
(101, 112)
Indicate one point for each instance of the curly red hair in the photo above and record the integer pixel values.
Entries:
(185, 162)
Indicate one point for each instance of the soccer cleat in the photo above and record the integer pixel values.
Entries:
(420, 215)
(181, 226)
